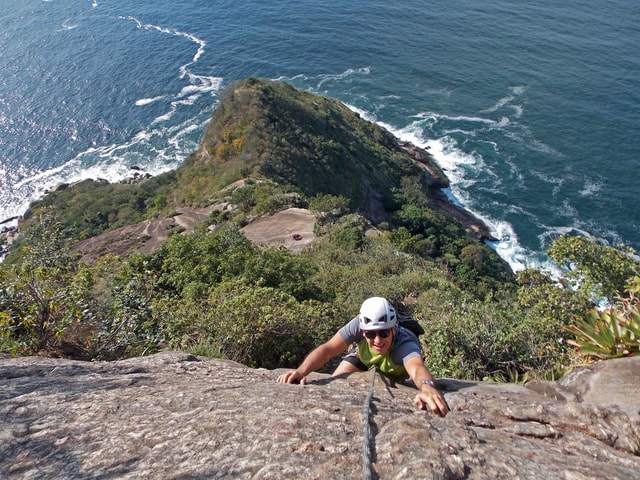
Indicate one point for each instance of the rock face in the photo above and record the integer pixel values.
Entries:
(142, 237)
(291, 229)
(176, 416)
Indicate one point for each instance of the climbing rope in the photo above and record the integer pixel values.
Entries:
(366, 448)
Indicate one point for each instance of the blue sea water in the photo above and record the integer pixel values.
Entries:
(532, 108)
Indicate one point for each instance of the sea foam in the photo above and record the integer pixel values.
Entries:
(159, 147)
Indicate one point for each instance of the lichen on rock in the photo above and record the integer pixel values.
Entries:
(174, 415)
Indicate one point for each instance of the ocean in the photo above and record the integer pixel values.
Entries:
(531, 108)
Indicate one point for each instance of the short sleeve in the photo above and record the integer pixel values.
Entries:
(351, 332)
(406, 346)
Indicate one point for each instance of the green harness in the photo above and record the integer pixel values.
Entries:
(382, 362)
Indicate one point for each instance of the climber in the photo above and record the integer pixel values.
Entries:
(381, 341)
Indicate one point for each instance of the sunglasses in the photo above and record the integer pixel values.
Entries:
(371, 334)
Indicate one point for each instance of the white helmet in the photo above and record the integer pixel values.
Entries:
(376, 313)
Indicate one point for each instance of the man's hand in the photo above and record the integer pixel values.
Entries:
(316, 359)
(292, 376)
(430, 398)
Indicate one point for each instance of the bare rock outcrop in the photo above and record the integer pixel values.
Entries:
(291, 229)
(177, 416)
(143, 237)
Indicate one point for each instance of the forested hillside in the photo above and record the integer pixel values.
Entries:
(379, 232)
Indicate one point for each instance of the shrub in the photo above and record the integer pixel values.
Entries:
(263, 327)
(613, 332)
(467, 338)
(599, 270)
(44, 296)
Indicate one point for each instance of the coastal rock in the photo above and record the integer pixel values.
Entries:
(437, 180)
(177, 416)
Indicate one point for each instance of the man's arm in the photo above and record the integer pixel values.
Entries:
(315, 360)
(429, 396)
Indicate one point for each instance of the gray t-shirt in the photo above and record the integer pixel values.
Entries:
(405, 344)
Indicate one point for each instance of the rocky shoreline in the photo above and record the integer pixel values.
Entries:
(474, 227)
(10, 227)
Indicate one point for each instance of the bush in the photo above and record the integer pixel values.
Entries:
(128, 327)
(263, 327)
(46, 295)
(599, 270)
(467, 338)
(613, 332)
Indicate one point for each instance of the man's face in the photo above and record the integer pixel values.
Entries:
(379, 340)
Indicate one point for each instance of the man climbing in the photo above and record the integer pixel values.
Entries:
(381, 341)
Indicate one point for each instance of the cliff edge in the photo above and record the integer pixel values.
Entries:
(177, 416)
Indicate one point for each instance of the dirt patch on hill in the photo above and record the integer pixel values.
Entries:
(144, 237)
(291, 229)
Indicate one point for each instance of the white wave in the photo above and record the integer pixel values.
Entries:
(566, 210)
(364, 114)
(110, 162)
(198, 84)
(507, 245)
(518, 110)
(68, 26)
(165, 117)
(35, 177)
(590, 187)
(152, 148)
(462, 166)
(323, 78)
(499, 104)
(147, 101)
(518, 257)
(188, 90)
(204, 83)
(189, 100)
(457, 118)
(524, 137)
(551, 233)
(452, 159)
(507, 101)
(504, 121)
(464, 118)
(341, 76)
(456, 164)
(547, 178)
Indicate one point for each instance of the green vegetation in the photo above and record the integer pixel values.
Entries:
(214, 293)
(44, 299)
(613, 332)
(90, 208)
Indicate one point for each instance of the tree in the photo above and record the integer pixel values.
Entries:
(596, 269)
(46, 295)
(264, 327)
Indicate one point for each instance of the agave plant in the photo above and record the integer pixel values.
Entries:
(611, 333)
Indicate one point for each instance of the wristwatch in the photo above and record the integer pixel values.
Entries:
(431, 383)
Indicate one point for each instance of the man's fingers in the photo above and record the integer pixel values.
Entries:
(444, 407)
(440, 407)
(437, 405)
(291, 377)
